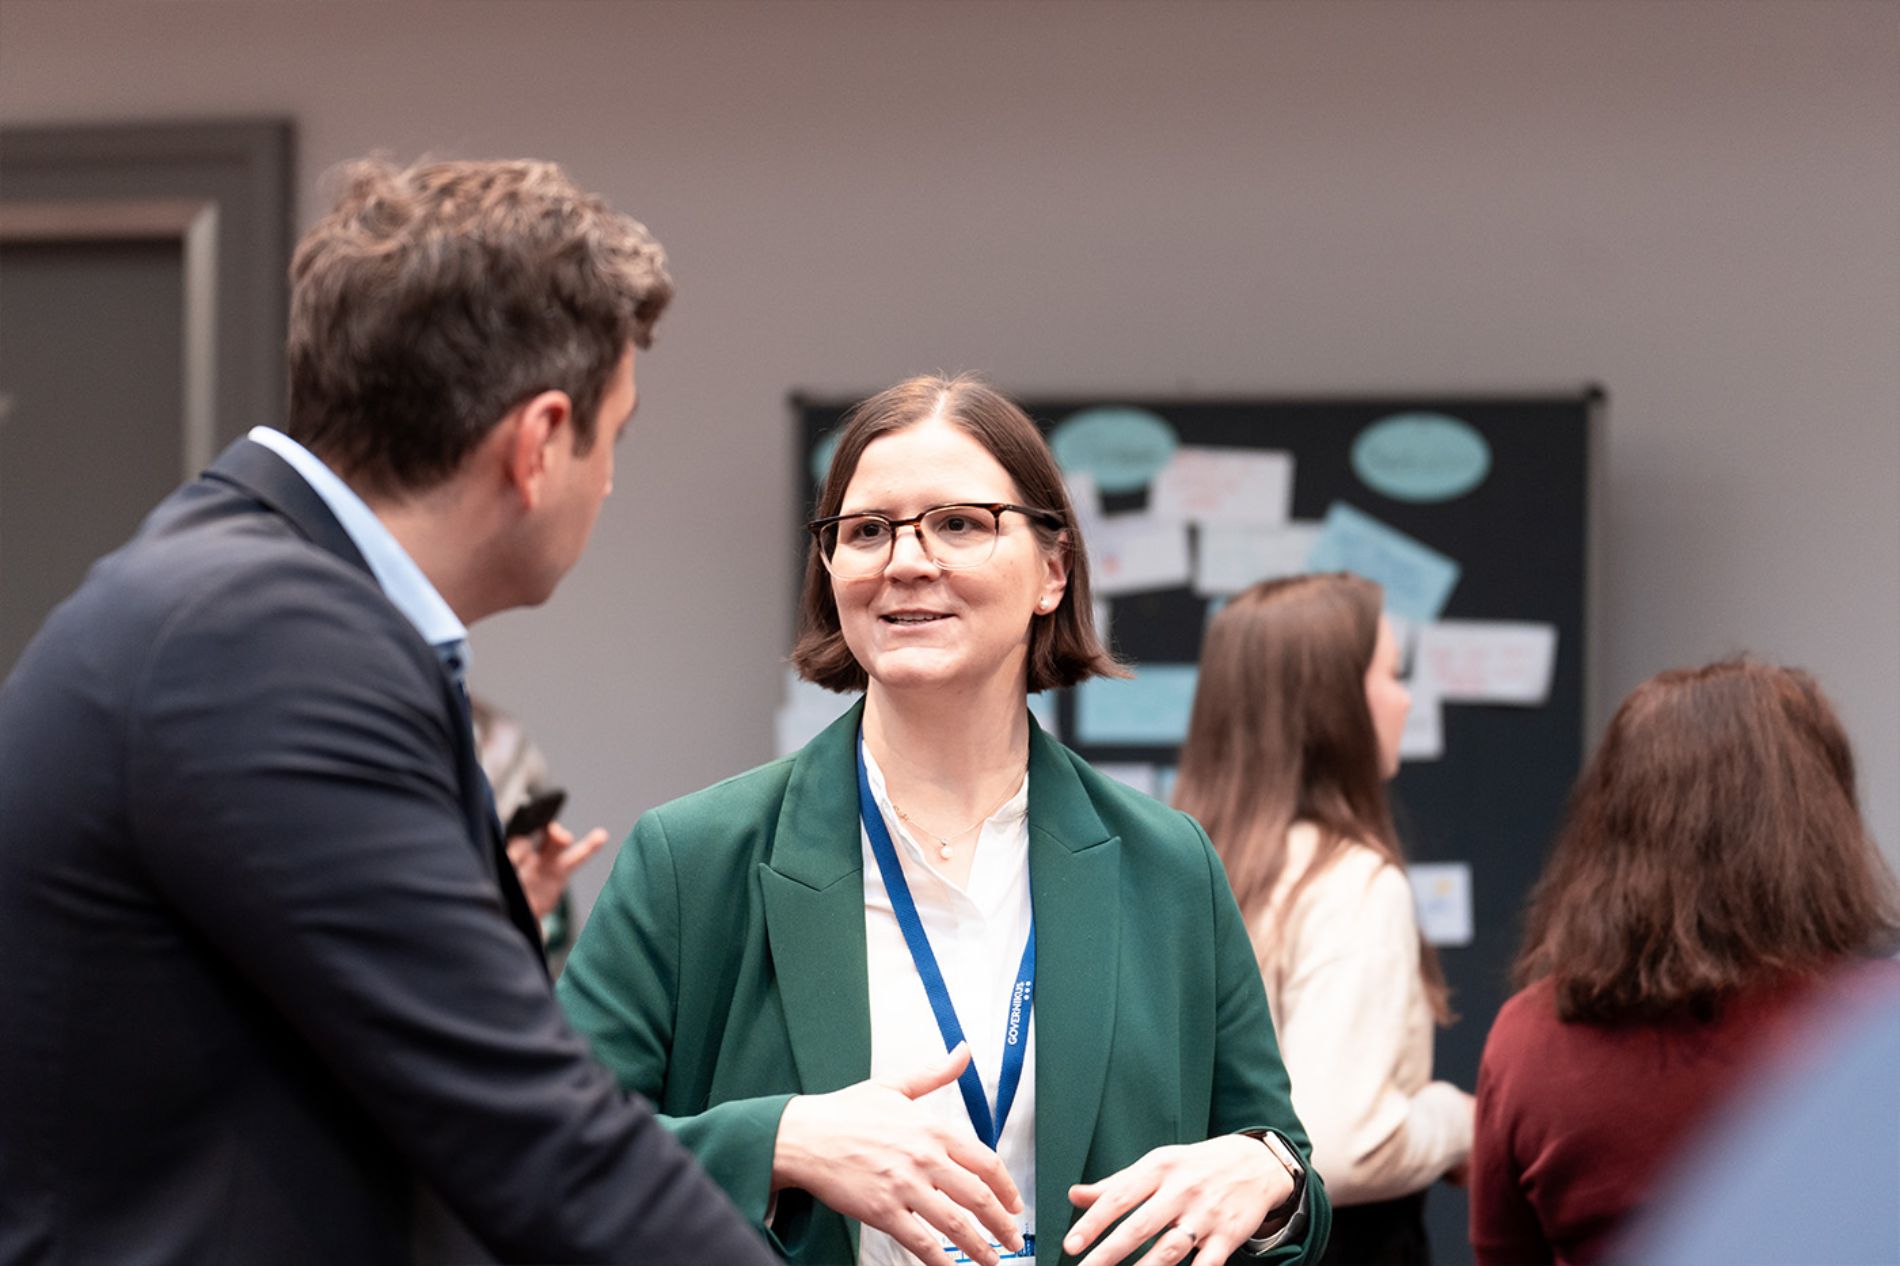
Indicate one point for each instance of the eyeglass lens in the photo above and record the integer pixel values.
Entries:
(953, 537)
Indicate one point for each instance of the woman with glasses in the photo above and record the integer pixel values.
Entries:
(933, 990)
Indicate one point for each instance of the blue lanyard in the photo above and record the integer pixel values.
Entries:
(1021, 996)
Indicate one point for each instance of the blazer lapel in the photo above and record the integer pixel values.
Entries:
(813, 893)
(812, 886)
(276, 484)
(1075, 880)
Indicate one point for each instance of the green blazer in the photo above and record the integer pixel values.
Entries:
(723, 971)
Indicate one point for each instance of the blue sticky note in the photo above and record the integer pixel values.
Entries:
(1421, 457)
(1416, 578)
(821, 458)
(1149, 709)
(1122, 447)
(1043, 708)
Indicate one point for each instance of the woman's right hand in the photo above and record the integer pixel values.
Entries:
(869, 1152)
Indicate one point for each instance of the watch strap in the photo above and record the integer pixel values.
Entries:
(1294, 1207)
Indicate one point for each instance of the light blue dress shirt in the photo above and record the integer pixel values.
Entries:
(394, 570)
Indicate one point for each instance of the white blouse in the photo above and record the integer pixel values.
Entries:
(1355, 1026)
(977, 932)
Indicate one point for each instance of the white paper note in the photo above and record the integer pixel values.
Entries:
(1130, 553)
(1423, 737)
(1103, 612)
(1224, 485)
(1487, 661)
(1442, 893)
(1085, 498)
(1228, 557)
(1405, 633)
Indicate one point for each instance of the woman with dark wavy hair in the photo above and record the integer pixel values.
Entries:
(1294, 733)
(1712, 875)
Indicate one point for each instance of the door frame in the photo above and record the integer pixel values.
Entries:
(193, 225)
(222, 189)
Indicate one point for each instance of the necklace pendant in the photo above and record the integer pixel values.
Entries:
(943, 850)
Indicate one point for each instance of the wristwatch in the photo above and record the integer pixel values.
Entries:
(1293, 1208)
(1291, 1161)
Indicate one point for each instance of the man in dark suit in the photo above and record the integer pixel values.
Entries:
(269, 980)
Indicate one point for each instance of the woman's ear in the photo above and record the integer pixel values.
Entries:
(1055, 574)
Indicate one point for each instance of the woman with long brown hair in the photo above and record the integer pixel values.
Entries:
(1294, 733)
(1713, 871)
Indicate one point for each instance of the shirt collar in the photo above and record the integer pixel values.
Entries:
(401, 580)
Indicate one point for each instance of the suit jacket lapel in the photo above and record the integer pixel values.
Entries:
(812, 886)
(277, 485)
(1075, 877)
(478, 808)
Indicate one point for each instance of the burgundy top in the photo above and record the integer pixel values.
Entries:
(1576, 1121)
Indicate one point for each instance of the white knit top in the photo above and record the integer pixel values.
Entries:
(1355, 1026)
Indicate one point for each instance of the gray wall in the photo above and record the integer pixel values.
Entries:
(1696, 204)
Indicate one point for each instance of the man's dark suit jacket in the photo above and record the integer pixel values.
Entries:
(260, 978)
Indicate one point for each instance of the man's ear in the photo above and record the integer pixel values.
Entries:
(535, 435)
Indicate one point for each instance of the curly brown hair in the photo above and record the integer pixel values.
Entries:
(432, 299)
(1713, 842)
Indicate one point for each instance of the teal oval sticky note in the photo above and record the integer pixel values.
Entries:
(821, 458)
(1121, 447)
(1421, 457)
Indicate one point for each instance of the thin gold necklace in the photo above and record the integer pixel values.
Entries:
(945, 849)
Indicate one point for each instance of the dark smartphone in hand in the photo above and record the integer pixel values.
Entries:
(535, 813)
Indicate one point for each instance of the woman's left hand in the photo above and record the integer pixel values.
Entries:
(1210, 1197)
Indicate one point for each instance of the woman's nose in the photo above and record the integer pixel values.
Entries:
(909, 555)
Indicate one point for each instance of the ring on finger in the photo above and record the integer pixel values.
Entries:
(1193, 1237)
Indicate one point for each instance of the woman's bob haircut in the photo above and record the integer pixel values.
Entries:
(1064, 648)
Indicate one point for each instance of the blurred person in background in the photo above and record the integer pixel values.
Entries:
(1294, 734)
(546, 856)
(1832, 1098)
(1711, 879)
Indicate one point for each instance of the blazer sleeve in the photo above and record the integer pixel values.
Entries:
(621, 989)
(1251, 1088)
(292, 778)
